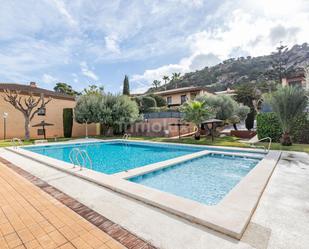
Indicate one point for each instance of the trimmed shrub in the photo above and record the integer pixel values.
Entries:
(146, 103)
(160, 109)
(67, 122)
(268, 126)
(159, 100)
(249, 122)
(300, 130)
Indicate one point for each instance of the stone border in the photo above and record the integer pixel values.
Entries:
(120, 234)
(230, 216)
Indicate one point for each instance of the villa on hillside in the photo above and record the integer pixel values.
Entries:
(295, 79)
(178, 96)
(53, 113)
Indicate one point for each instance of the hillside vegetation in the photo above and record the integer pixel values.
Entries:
(234, 72)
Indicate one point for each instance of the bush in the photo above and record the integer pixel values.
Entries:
(67, 122)
(160, 109)
(268, 126)
(146, 102)
(300, 130)
(249, 122)
(160, 101)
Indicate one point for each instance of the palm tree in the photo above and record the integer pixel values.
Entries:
(196, 112)
(176, 76)
(166, 79)
(156, 83)
(288, 103)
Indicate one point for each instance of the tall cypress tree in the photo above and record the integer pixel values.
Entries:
(126, 86)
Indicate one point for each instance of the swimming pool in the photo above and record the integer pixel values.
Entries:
(114, 157)
(217, 187)
(206, 179)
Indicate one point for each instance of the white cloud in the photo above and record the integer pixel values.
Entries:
(240, 29)
(61, 7)
(49, 79)
(111, 44)
(183, 35)
(87, 72)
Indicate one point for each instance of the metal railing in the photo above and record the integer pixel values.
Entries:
(16, 142)
(126, 136)
(80, 158)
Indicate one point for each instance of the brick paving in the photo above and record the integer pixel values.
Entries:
(34, 214)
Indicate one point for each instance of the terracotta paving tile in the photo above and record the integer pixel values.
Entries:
(34, 214)
(25, 235)
(58, 238)
(32, 244)
(67, 246)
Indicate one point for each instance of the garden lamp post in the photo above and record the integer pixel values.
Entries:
(5, 115)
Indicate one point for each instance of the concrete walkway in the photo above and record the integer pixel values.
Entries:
(30, 218)
(280, 220)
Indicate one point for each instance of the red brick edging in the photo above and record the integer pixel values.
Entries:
(114, 230)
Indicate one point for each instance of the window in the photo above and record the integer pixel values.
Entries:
(183, 98)
(169, 100)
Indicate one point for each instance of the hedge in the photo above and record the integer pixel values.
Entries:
(67, 122)
(268, 126)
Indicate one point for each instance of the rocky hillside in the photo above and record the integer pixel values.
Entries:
(233, 72)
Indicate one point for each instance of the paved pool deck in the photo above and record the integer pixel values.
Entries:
(30, 218)
(280, 220)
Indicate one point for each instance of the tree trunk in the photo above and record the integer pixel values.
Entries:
(235, 127)
(27, 128)
(286, 139)
(197, 134)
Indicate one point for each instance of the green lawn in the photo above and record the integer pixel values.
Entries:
(222, 141)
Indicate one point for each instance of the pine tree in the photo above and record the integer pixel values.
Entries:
(126, 86)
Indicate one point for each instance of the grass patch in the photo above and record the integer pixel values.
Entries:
(227, 141)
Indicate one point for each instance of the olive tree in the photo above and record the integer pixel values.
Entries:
(87, 108)
(226, 108)
(112, 111)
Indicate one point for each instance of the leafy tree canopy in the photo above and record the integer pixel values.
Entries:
(65, 89)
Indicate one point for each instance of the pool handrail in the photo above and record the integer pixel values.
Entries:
(83, 154)
(16, 142)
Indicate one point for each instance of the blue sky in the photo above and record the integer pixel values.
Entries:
(84, 42)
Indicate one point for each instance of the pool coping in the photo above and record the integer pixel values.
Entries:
(230, 216)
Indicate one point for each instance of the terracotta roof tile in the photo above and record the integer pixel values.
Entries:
(34, 90)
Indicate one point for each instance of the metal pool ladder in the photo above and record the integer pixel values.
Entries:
(16, 142)
(126, 136)
(76, 154)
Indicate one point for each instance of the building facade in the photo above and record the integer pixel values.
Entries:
(12, 120)
(178, 96)
(296, 80)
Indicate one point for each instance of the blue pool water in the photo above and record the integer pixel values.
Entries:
(114, 157)
(206, 179)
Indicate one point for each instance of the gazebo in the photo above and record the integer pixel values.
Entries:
(214, 122)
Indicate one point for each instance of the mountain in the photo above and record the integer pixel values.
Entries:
(234, 72)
